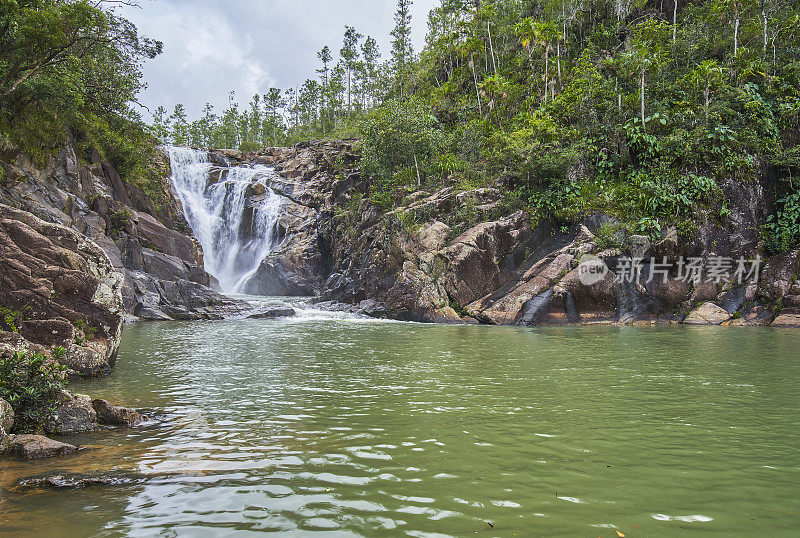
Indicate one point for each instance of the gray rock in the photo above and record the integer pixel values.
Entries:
(271, 313)
(112, 415)
(34, 447)
(707, 314)
(6, 416)
(74, 414)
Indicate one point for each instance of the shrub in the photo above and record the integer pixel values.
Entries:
(247, 146)
(117, 221)
(86, 331)
(10, 319)
(30, 382)
(782, 231)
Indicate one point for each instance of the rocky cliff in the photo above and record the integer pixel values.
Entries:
(145, 237)
(452, 256)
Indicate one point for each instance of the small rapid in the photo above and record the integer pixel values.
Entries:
(236, 223)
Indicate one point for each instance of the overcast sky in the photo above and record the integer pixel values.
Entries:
(214, 46)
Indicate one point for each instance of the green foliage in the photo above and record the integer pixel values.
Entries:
(249, 145)
(782, 231)
(610, 235)
(30, 382)
(71, 69)
(118, 220)
(85, 331)
(10, 319)
(400, 147)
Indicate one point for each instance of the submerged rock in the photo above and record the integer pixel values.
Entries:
(75, 481)
(271, 313)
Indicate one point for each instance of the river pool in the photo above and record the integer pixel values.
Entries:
(331, 424)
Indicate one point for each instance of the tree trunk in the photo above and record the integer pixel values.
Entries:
(642, 103)
(546, 63)
(491, 47)
(558, 53)
(475, 77)
(674, 20)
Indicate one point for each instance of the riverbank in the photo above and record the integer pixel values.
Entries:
(83, 250)
(448, 254)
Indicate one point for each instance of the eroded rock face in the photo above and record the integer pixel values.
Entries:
(60, 282)
(136, 234)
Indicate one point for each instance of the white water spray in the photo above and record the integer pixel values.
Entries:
(235, 237)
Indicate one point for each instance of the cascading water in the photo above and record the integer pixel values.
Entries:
(236, 227)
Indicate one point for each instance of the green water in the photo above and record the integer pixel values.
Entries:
(352, 427)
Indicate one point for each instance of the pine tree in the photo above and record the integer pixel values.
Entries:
(350, 54)
(371, 54)
(325, 57)
(402, 51)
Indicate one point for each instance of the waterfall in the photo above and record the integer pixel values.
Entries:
(235, 223)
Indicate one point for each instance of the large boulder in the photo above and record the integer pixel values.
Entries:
(73, 414)
(55, 277)
(707, 314)
(161, 300)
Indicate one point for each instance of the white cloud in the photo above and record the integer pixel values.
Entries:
(214, 46)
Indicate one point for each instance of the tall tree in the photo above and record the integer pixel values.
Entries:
(272, 103)
(325, 57)
(179, 125)
(371, 54)
(402, 51)
(350, 53)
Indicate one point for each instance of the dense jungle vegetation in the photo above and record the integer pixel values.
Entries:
(641, 109)
(71, 69)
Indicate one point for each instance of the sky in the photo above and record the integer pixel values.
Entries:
(214, 46)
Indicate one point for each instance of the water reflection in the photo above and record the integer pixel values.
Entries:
(367, 428)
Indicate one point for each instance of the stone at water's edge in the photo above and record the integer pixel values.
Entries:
(36, 447)
(76, 413)
(707, 314)
(60, 283)
(272, 313)
(112, 415)
(73, 414)
(6, 416)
